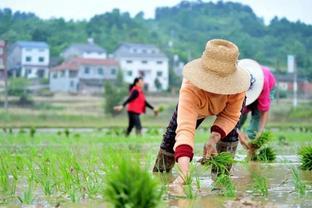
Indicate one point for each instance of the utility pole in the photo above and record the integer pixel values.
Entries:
(293, 69)
(5, 76)
(3, 66)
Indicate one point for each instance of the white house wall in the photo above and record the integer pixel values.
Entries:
(63, 84)
(150, 68)
(94, 55)
(35, 64)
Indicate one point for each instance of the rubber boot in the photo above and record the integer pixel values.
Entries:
(164, 161)
(224, 147)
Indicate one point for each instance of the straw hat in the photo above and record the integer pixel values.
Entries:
(257, 79)
(217, 70)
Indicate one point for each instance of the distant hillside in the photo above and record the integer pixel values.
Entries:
(187, 26)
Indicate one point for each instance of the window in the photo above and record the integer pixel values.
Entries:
(144, 62)
(28, 59)
(1, 62)
(54, 75)
(159, 73)
(72, 83)
(41, 49)
(1, 51)
(100, 71)
(62, 73)
(144, 51)
(41, 59)
(73, 73)
(40, 73)
(28, 71)
(129, 73)
(113, 71)
(86, 70)
(159, 62)
(129, 61)
(28, 49)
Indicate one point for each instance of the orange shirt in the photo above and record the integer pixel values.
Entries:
(195, 103)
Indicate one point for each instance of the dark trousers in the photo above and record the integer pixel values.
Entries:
(134, 121)
(170, 134)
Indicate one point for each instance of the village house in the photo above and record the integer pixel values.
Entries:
(286, 82)
(29, 59)
(144, 60)
(85, 50)
(82, 75)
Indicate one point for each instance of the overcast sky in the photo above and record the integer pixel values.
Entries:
(84, 9)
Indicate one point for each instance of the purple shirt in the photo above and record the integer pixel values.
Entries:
(264, 100)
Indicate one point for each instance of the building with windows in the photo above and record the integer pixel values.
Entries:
(82, 75)
(29, 59)
(85, 50)
(144, 60)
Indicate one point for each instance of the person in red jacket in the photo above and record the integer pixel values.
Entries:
(136, 105)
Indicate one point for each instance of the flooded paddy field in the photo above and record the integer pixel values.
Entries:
(66, 168)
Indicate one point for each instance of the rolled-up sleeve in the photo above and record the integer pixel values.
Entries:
(187, 117)
(228, 118)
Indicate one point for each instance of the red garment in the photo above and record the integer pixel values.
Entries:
(138, 104)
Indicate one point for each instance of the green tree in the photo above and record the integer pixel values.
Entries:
(18, 87)
(114, 93)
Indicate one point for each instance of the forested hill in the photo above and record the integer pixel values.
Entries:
(187, 26)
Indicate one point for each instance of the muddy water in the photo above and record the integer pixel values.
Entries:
(279, 177)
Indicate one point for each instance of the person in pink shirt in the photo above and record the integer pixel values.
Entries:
(258, 99)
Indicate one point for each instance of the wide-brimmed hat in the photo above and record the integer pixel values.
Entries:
(256, 80)
(217, 70)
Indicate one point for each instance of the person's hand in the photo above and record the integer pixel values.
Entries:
(210, 148)
(244, 140)
(156, 112)
(118, 108)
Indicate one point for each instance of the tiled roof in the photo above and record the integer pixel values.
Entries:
(138, 50)
(87, 47)
(73, 64)
(32, 44)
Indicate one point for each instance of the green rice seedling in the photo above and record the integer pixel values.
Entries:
(161, 108)
(266, 154)
(282, 140)
(197, 183)
(22, 131)
(226, 185)
(32, 132)
(188, 189)
(4, 176)
(10, 131)
(188, 181)
(305, 154)
(261, 139)
(67, 132)
(152, 131)
(27, 197)
(45, 177)
(77, 135)
(128, 185)
(260, 185)
(220, 162)
(300, 187)
(4, 130)
(59, 133)
(92, 184)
